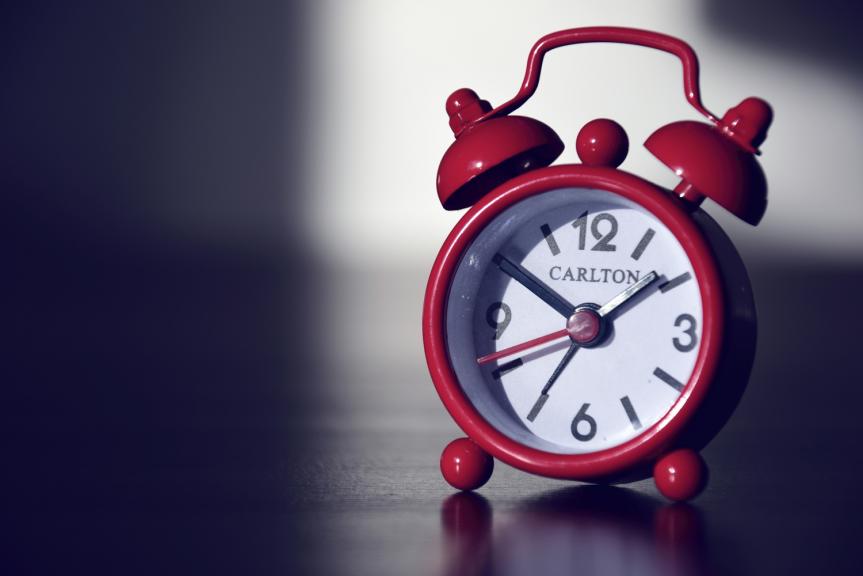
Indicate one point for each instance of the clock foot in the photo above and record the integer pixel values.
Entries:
(465, 465)
(680, 475)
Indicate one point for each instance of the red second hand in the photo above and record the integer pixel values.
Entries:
(523, 346)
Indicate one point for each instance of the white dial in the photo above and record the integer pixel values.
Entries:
(613, 374)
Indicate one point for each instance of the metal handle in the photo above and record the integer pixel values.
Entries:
(606, 34)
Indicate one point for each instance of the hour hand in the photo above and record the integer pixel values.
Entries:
(627, 294)
(535, 285)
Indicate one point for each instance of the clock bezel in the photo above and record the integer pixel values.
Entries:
(651, 443)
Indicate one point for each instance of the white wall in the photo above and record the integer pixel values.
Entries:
(385, 67)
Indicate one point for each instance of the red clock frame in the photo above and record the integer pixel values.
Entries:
(653, 442)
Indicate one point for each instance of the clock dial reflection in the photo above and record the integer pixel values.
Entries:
(576, 530)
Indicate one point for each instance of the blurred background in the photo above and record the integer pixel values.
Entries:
(222, 218)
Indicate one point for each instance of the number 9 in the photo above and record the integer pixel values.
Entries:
(491, 318)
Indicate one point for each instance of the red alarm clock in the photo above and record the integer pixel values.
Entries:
(581, 322)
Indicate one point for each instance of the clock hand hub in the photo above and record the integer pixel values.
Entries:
(584, 326)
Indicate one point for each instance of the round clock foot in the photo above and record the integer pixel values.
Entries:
(680, 475)
(465, 465)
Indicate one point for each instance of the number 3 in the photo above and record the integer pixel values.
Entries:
(693, 337)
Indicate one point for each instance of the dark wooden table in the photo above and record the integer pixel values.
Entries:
(223, 429)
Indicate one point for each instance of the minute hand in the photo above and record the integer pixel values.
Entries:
(535, 285)
(631, 291)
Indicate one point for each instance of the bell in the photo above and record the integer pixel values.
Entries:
(719, 161)
(487, 153)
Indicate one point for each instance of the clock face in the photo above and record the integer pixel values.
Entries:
(573, 321)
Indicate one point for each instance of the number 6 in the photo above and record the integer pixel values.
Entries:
(583, 416)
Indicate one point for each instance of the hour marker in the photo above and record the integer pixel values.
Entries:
(630, 412)
(675, 282)
(506, 367)
(540, 402)
(549, 237)
(642, 244)
(668, 379)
